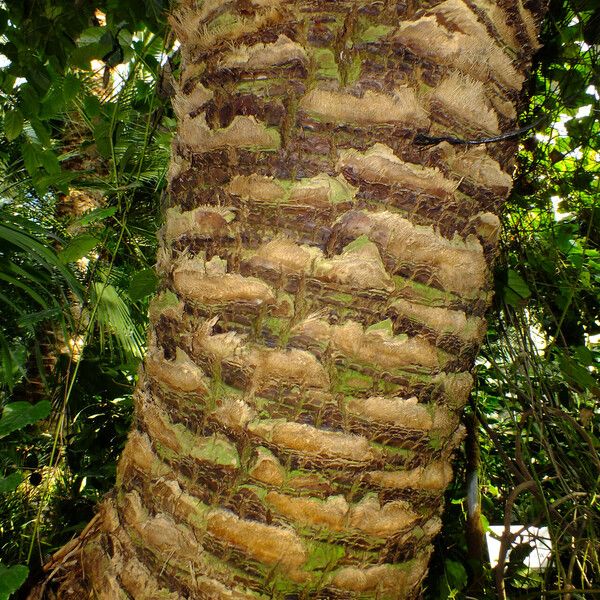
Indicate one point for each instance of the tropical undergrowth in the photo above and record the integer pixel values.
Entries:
(535, 414)
(83, 158)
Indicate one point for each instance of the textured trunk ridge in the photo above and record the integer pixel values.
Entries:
(325, 281)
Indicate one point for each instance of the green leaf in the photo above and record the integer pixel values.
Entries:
(59, 180)
(13, 124)
(71, 87)
(17, 415)
(50, 162)
(516, 290)
(577, 374)
(98, 214)
(43, 254)
(53, 103)
(102, 136)
(77, 247)
(485, 524)
(11, 579)
(142, 284)
(456, 574)
(29, 100)
(573, 86)
(91, 35)
(92, 106)
(7, 82)
(31, 157)
(41, 131)
(10, 483)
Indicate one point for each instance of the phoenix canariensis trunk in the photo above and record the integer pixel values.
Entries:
(324, 284)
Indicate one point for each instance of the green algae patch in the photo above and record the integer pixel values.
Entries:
(353, 70)
(358, 244)
(349, 380)
(164, 302)
(260, 87)
(342, 298)
(430, 295)
(327, 67)
(374, 33)
(216, 450)
(435, 441)
(386, 326)
(323, 556)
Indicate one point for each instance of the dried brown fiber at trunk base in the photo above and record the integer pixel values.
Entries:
(323, 285)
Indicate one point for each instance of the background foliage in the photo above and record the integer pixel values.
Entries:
(86, 128)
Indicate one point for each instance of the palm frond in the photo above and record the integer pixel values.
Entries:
(113, 317)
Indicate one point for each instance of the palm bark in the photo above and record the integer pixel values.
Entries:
(325, 280)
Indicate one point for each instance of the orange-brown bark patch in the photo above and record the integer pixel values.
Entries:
(330, 513)
(385, 581)
(434, 477)
(442, 320)
(372, 108)
(263, 56)
(181, 374)
(381, 520)
(267, 468)
(463, 100)
(184, 104)
(243, 132)
(478, 166)
(208, 283)
(292, 365)
(379, 164)
(397, 411)
(458, 265)
(268, 544)
(204, 222)
(376, 347)
(314, 442)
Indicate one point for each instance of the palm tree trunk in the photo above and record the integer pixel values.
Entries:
(325, 279)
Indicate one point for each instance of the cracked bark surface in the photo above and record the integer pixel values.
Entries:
(324, 285)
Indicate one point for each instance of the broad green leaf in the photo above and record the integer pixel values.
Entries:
(81, 57)
(102, 133)
(456, 574)
(7, 82)
(59, 180)
(13, 124)
(53, 103)
(77, 247)
(11, 579)
(516, 290)
(98, 214)
(50, 162)
(573, 86)
(10, 483)
(577, 374)
(92, 106)
(585, 279)
(31, 156)
(17, 415)
(71, 87)
(91, 35)
(485, 524)
(29, 100)
(41, 131)
(142, 284)
(94, 42)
